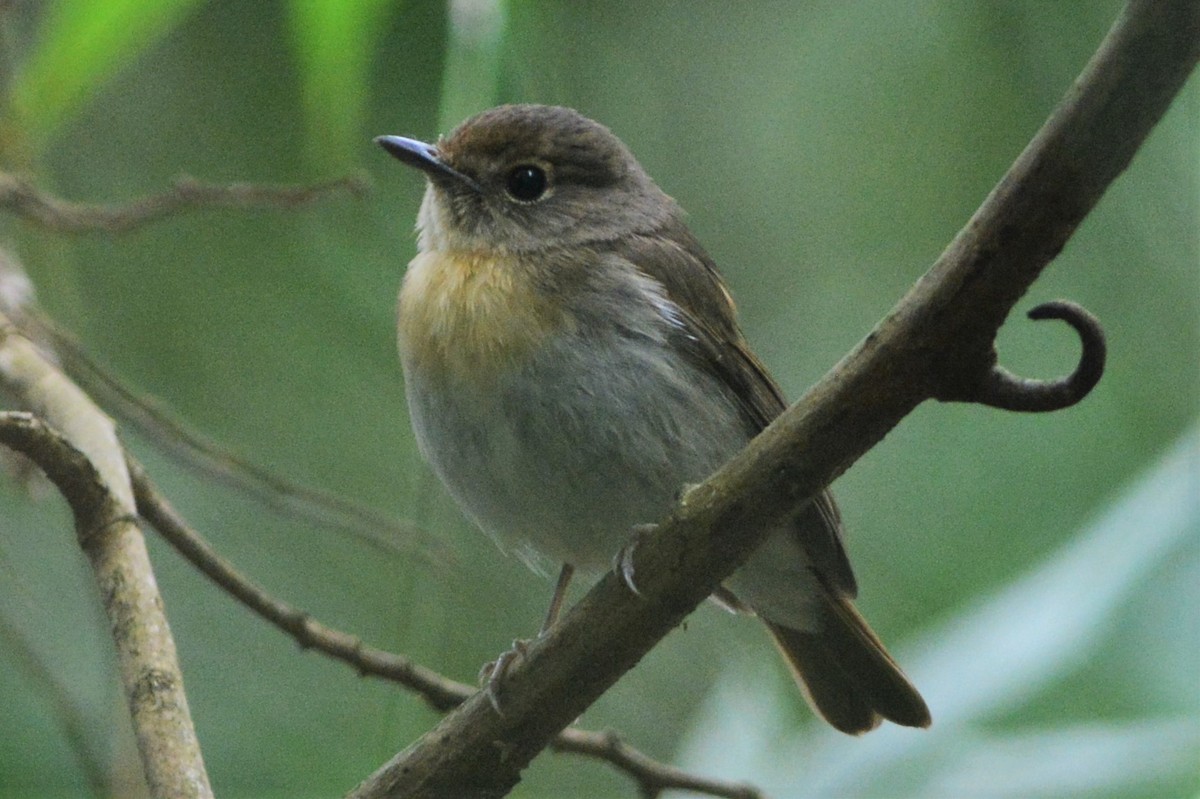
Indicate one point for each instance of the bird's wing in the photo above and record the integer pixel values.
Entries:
(710, 338)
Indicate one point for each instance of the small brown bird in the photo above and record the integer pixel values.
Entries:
(572, 359)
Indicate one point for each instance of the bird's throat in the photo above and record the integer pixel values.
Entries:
(467, 316)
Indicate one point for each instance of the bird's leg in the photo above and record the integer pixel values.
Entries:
(492, 674)
(556, 601)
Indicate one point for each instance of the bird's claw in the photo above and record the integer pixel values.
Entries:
(491, 674)
(685, 492)
(623, 562)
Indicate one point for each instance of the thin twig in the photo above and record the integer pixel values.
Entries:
(938, 334)
(441, 693)
(653, 777)
(21, 198)
(148, 417)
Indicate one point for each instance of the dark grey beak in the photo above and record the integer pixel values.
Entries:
(424, 157)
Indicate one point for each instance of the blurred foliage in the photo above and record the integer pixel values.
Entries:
(78, 47)
(1034, 692)
(335, 44)
(827, 151)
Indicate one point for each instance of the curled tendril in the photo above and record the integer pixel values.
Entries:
(1000, 388)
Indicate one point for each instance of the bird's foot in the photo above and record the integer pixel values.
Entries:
(491, 674)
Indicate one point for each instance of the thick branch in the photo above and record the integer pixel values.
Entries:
(84, 459)
(936, 340)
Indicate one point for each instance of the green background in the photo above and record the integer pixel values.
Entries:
(826, 152)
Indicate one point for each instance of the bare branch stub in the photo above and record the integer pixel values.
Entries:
(997, 387)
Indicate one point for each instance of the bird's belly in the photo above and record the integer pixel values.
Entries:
(558, 460)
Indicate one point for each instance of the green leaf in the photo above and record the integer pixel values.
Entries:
(80, 45)
(335, 41)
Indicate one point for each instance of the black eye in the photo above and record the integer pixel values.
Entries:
(526, 183)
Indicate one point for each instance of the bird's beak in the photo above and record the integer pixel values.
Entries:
(424, 157)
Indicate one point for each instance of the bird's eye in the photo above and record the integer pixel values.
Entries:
(526, 183)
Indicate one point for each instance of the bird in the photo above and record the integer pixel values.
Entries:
(572, 359)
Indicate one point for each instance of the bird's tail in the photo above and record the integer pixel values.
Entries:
(845, 673)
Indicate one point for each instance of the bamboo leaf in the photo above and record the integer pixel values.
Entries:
(80, 45)
(335, 41)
